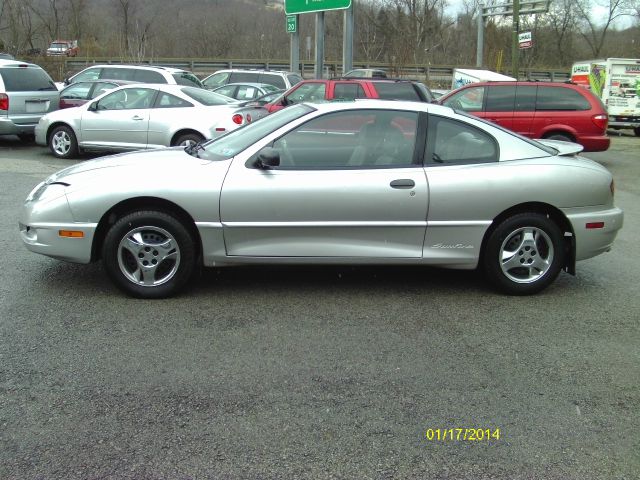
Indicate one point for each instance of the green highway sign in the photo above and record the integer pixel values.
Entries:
(292, 24)
(292, 7)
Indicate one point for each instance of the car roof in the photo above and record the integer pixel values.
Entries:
(375, 103)
(15, 63)
(144, 67)
(260, 70)
(250, 84)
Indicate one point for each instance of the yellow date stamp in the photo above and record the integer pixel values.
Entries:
(465, 434)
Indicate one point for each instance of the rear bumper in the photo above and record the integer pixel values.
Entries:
(8, 127)
(595, 144)
(594, 241)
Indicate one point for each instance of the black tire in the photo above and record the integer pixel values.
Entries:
(560, 136)
(524, 254)
(153, 242)
(189, 139)
(63, 143)
(27, 137)
(637, 131)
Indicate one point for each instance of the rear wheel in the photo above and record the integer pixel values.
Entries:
(149, 254)
(189, 139)
(637, 131)
(524, 254)
(560, 136)
(63, 143)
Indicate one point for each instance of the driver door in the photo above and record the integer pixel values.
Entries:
(345, 187)
(120, 120)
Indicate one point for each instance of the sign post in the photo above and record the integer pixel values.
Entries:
(524, 40)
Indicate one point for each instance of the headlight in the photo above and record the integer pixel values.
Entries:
(47, 191)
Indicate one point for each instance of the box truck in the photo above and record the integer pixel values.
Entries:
(617, 82)
(463, 76)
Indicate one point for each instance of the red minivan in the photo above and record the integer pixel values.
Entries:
(556, 111)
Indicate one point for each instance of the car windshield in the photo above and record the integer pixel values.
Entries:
(205, 97)
(228, 146)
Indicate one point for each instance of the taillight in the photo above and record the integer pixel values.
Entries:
(600, 121)
(4, 101)
(237, 119)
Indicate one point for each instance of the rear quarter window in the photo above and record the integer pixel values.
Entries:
(560, 98)
(397, 91)
(27, 79)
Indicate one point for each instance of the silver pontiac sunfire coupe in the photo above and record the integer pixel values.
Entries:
(365, 182)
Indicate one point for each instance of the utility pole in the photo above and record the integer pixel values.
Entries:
(515, 49)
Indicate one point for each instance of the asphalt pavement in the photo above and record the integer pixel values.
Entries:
(336, 372)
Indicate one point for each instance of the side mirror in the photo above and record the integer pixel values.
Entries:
(284, 101)
(93, 107)
(267, 158)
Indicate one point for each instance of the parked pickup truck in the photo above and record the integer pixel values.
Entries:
(67, 48)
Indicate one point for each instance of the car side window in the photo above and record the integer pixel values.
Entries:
(469, 100)
(216, 80)
(307, 92)
(117, 73)
(147, 76)
(87, 75)
(166, 100)
(227, 90)
(560, 98)
(450, 142)
(272, 79)
(525, 98)
(76, 91)
(348, 91)
(127, 99)
(356, 139)
(500, 98)
(246, 92)
(244, 77)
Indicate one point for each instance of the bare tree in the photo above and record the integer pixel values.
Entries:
(595, 34)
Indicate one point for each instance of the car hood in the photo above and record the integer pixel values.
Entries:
(169, 160)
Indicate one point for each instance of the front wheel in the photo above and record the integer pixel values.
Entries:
(63, 143)
(637, 131)
(524, 254)
(149, 254)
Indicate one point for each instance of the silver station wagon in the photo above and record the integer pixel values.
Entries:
(365, 182)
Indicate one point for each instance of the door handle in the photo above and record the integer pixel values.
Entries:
(403, 183)
(136, 117)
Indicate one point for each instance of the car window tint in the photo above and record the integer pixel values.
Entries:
(348, 91)
(500, 98)
(469, 100)
(396, 91)
(30, 79)
(77, 91)
(525, 98)
(307, 92)
(117, 73)
(244, 77)
(273, 79)
(88, 74)
(560, 98)
(148, 76)
(166, 100)
(453, 142)
(353, 139)
(127, 99)
(216, 80)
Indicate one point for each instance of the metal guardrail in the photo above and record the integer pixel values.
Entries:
(432, 74)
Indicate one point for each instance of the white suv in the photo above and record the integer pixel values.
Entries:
(277, 78)
(27, 92)
(137, 73)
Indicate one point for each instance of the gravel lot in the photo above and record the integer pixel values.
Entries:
(333, 372)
